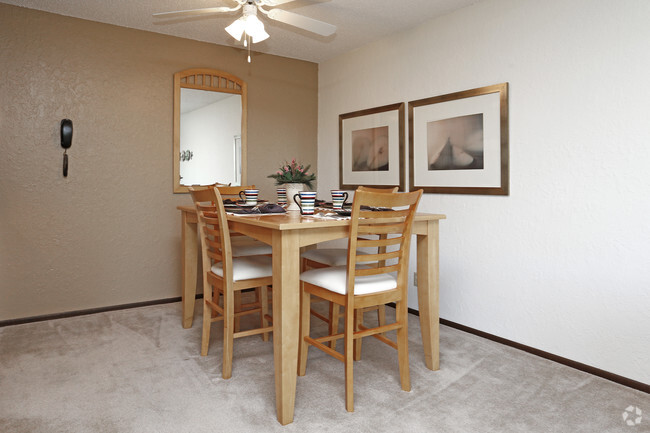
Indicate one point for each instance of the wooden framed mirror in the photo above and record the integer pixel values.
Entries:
(209, 128)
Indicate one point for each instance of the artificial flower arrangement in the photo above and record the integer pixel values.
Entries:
(293, 172)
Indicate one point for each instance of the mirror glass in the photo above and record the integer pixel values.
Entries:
(209, 129)
(210, 138)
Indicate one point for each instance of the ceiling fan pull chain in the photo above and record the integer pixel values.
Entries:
(249, 49)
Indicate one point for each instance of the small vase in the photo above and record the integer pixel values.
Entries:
(293, 189)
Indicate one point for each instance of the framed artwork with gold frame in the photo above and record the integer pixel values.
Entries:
(371, 147)
(458, 142)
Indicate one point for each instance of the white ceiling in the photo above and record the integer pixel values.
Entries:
(359, 22)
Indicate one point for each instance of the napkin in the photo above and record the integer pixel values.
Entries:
(271, 208)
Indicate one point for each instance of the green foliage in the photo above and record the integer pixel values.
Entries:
(292, 172)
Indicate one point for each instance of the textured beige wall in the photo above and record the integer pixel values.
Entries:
(109, 233)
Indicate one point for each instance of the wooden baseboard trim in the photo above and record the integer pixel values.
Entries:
(67, 314)
(621, 380)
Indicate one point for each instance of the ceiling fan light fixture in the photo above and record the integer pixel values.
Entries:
(236, 29)
(255, 29)
(249, 24)
(260, 37)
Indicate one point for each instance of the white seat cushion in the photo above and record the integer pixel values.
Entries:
(329, 256)
(334, 279)
(252, 248)
(246, 268)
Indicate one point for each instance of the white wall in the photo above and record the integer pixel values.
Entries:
(562, 263)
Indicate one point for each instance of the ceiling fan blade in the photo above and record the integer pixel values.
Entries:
(203, 11)
(301, 21)
(276, 2)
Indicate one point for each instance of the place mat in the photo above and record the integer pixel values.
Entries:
(328, 216)
(348, 211)
(376, 209)
(247, 214)
(329, 205)
(241, 203)
(264, 209)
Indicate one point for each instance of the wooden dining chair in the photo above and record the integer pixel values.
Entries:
(243, 245)
(326, 257)
(361, 284)
(225, 276)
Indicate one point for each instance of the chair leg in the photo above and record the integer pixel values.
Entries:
(263, 299)
(381, 315)
(348, 356)
(335, 314)
(216, 298)
(305, 317)
(228, 333)
(402, 346)
(207, 322)
(358, 320)
(238, 303)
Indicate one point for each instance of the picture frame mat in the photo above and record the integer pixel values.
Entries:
(388, 118)
(490, 175)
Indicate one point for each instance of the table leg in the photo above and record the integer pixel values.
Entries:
(189, 259)
(428, 294)
(286, 295)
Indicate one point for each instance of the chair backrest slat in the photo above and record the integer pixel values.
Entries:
(233, 191)
(212, 231)
(369, 243)
(380, 270)
(214, 244)
(363, 258)
(396, 215)
(380, 228)
(216, 257)
(201, 195)
(382, 190)
(210, 220)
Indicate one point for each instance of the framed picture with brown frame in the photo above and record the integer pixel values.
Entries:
(371, 148)
(458, 142)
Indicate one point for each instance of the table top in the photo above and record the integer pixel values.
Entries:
(292, 220)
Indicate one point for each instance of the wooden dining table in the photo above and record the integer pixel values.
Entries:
(287, 233)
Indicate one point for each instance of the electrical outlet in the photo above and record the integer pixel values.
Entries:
(415, 279)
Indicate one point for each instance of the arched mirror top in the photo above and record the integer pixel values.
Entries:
(220, 155)
(210, 79)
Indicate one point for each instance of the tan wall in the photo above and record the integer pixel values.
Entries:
(108, 234)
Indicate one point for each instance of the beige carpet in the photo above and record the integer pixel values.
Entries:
(139, 371)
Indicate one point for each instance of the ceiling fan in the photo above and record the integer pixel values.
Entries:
(249, 28)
